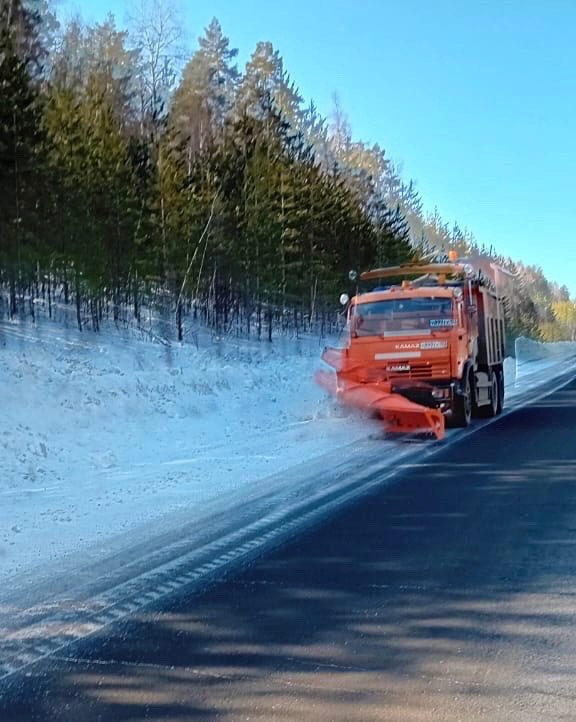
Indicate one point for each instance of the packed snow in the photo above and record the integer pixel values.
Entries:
(101, 433)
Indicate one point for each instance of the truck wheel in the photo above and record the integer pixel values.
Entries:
(500, 405)
(462, 409)
(487, 412)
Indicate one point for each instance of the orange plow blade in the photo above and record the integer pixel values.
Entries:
(400, 415)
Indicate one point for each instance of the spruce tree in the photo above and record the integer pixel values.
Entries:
(21, 161)
(206, 92)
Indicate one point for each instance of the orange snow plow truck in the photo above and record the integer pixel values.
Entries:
(426, 350)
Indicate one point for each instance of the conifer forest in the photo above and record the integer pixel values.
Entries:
(135, 174)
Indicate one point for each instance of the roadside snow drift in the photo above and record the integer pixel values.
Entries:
(101, 433)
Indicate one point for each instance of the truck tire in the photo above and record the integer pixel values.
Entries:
(500, 406)
(462, 408)
(491, 409)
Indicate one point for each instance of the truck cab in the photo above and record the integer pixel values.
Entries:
(437, 340)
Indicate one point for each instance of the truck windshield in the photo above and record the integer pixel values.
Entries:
(422, 314)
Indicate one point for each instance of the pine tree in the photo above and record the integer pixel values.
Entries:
(265, 76)
(100, 51)
(206, 92)
(21, 161)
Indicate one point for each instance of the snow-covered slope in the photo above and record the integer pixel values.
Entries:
(100, 433)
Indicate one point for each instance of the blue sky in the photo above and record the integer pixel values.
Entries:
(477, 100)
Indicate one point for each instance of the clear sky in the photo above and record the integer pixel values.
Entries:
(476, 99)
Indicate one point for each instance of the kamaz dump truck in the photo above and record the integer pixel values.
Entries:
(426, 349)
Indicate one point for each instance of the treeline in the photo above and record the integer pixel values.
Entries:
(131, 179)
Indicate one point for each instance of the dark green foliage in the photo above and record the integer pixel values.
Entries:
(235, 203)
(21, 156)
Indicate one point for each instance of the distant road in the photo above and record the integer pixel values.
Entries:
(448, 596)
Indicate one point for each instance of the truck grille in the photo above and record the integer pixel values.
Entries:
(426, 370)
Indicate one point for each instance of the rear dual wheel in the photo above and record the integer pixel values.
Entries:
(494, 408)
(500, 405)
(465, 402)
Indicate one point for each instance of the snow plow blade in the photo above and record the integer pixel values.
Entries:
(400, 415)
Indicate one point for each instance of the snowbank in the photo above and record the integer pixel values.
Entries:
(534, 359)
(101, 433)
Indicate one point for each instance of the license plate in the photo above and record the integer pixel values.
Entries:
(427, 345)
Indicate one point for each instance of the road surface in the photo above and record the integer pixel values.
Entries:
(448, 596)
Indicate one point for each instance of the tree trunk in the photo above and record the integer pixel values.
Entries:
(179, 319)
(78, 301)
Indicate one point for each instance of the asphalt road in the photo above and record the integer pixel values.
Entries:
(448, 596)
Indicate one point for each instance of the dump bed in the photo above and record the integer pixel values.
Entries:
(491, 348)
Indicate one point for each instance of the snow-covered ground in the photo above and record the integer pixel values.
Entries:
(101, 433)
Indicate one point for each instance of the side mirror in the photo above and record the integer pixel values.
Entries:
(352, 275)
(344, 298)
